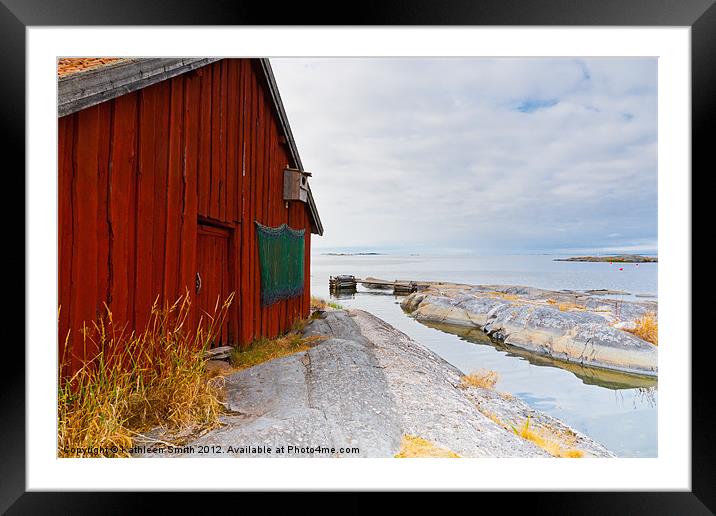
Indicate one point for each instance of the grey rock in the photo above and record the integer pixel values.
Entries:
(606, 292)
(365, 386)
(219, 353)
(589, 331)
(429, 399)
(380, 285)
(514, 413)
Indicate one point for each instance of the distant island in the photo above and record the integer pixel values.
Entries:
(352, 254)
(620, 258)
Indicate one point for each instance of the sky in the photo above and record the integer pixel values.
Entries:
(488, 155)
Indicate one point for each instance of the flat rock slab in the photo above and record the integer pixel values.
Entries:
(219, 353)
(563, 325)
(355, 395)
(429, 400)
(330, 397)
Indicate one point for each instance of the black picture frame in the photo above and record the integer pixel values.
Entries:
(700, 15)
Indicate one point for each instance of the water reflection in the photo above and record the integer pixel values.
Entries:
(343, 294)
(646, 395)
(614, 380)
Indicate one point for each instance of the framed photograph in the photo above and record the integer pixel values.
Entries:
(345, 252)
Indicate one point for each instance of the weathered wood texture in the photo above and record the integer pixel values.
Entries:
(80, 91)
(142, 179)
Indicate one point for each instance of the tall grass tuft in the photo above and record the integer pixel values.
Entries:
(647, 328)
(484, 378)
(318, 303)
(139, 381)
(557, 444)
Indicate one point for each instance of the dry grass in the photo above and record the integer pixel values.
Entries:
(484, 378)
(317, 303)
(321, 304)
(299, 324)
(139, 381)
(565, 307)
(557, 444)
(413, 446)
(508, 297)
(647, 328)
(263, 349)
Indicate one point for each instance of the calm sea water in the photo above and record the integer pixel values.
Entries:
(617, 411)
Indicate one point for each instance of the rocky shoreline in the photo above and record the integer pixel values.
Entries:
(366, 386)
(620, 258)
(577, 327)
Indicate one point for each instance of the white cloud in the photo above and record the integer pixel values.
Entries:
(434, 152)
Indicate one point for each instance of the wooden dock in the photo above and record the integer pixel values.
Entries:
(346, 283)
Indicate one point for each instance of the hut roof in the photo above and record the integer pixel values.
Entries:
(85, 82)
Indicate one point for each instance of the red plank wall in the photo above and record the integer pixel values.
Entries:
(139, 173)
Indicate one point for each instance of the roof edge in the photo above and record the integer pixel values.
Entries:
(316, 224)
(84, 89)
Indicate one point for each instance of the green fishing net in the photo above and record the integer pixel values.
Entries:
(281, 260)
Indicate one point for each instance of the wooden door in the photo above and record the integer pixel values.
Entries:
(212, 275)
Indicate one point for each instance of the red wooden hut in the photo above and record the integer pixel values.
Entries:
(167, 170)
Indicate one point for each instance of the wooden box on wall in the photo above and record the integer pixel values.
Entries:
(295, 185)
